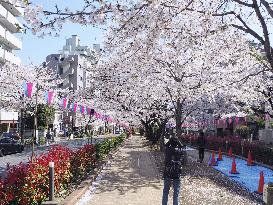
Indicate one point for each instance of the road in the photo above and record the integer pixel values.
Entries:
(14, 159)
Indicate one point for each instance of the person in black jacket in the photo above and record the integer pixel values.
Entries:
(201, 141)
(173, 154)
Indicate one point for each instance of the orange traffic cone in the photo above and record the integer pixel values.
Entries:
(230, 152)
(249, 159)
(220, 157)
(212, 161)
(261, 183)
(233, 167)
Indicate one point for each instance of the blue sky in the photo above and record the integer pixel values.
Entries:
(36, 49)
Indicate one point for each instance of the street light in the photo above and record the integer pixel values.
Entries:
(22, 118)
(38, 88)
(72, 114)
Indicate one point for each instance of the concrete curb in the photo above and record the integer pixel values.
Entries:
(73, 198)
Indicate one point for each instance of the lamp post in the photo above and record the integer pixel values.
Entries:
(51, 181)
(35, 121)
(22, 118)
(72, 112)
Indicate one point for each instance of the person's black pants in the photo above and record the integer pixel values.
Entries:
(201, 154)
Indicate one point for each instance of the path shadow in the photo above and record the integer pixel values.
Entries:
(130, 172)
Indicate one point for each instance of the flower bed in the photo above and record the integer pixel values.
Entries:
(28, 183)
(260, 152)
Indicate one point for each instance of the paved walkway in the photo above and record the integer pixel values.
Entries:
(134, 179)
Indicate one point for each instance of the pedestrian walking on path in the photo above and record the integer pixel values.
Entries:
(133, 178)
(173, 169)
(48, 137)
(201, 145)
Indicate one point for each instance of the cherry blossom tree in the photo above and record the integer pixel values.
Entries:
(171, 51)
(13, 77)
(13, 95)
(178, 67)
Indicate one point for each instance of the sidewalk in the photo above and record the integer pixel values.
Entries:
(131, 179)
(134, 179)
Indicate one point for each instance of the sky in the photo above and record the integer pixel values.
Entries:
(36, 49)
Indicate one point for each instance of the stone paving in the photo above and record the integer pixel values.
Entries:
(131, 179)
(134, 178)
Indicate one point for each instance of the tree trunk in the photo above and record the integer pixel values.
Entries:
(162, 134)
(146, 128)
(178, 118)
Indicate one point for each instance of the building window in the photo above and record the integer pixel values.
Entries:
(81, 79)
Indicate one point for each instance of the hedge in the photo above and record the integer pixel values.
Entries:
(260, 151)
(28, 183)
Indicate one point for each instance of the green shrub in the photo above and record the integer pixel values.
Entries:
(242, 131)
(103, 148)
(42, 140)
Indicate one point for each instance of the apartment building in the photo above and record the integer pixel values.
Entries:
(73, 64)
(9, 25)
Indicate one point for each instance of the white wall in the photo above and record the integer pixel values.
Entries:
(8, 116)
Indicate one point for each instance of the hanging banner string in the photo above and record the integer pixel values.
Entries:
(49, 98)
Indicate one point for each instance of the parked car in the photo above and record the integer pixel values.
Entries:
(13, 135)
(9, 146)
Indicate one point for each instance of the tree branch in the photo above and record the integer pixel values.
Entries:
(244, 3)
(268, 8)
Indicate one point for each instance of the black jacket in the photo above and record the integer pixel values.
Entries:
(173, 151)
(201, 141)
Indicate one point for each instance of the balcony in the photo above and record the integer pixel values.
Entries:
(8, 56)
(8, 20)
(2, 55)
(9, 39)
(15, 10)
(70, 71)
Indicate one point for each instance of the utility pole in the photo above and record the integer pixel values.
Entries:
(22, 118)
(35, 122)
